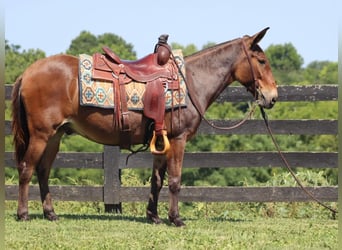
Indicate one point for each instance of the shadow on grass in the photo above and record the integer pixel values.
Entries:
(95, 217)
(120, 217)
(104, 217)
(141, 219)
(220, 219)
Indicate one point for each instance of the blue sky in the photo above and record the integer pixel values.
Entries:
(311, 26)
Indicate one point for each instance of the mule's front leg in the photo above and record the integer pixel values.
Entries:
(158, 173)
(174, 167)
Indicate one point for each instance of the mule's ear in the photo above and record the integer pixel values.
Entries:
(253, 40)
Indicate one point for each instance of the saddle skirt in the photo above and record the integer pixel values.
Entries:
(97, 90)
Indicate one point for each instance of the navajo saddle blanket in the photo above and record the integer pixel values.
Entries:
(98, 93)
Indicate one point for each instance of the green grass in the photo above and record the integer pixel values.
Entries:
(86, 226)
(209, 225)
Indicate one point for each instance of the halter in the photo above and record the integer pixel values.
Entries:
(257, 93)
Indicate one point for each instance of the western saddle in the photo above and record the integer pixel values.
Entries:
(157, 70)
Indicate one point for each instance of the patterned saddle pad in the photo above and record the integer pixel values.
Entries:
(100, 93)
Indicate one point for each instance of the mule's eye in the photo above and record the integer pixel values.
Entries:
(262, 61)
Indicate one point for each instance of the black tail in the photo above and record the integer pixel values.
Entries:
(19, 123)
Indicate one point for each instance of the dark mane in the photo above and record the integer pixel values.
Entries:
(210, 49)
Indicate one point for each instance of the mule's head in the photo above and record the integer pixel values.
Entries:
(254, 72)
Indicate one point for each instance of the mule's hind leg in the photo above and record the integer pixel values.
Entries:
(25, 168)
(43, 173)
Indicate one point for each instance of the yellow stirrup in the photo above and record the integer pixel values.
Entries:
(153, 143)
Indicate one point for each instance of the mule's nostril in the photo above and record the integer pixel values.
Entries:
(274, 100)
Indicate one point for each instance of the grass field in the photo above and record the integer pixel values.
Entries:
(86, 226)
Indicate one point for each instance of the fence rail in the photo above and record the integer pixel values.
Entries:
(111, 160)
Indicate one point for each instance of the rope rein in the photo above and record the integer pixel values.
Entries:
(287, 165)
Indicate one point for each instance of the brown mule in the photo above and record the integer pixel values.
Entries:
(46, 105)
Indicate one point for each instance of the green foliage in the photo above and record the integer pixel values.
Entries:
(286, 67)
(240, 176)
(306, 176)
(77, 143)
(208, 45)
(304, 110)
(284, 57)
(285, 63)
(190, 48)
(85, 42)
(88, 43)
(329, 73)
(187, 50)
(224, 176)
(17, 61)
(294, 77)
(312, 71)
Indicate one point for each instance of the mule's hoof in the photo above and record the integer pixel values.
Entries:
(23, 217)
(177, 221)
(154, 218)
(50, 215)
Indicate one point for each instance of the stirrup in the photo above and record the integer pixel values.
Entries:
(166, 143)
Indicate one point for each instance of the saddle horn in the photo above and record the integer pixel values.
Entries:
(163, 50)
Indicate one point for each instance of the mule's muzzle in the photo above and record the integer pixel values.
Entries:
(267, 99)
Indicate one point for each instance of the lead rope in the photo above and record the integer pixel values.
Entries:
(238, 124)
(287, 165)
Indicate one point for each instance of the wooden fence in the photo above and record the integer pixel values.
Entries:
(112, 160)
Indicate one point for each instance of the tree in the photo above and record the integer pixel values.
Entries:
(284, 57)
(312, 71)
(285, 63)
(187, 50)
(84, 43)
(16, 62)
(321, 72)
(329, 74)
(190, 48)
(87, 43)
(208, 45)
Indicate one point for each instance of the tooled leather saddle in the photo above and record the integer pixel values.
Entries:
(156, 70)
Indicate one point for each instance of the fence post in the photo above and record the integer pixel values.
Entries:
(112, 179)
